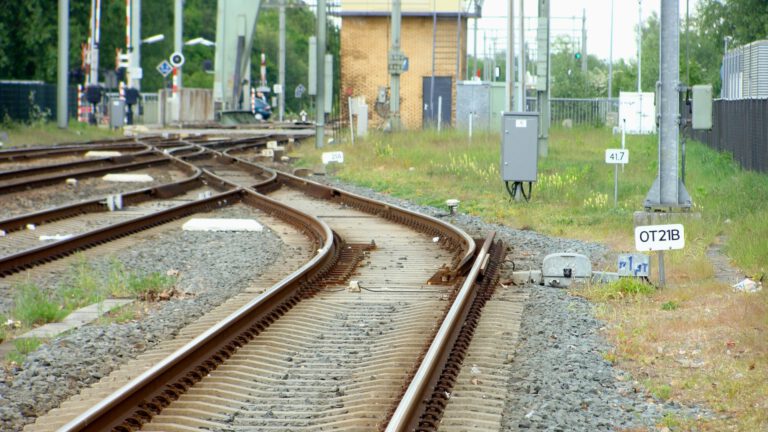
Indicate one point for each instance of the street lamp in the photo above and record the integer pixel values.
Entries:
(153, 39)
(200, 41)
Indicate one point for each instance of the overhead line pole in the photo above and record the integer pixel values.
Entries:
(320, 98)
(62, 80)
(510, 75)
(521, 91)
(610, 58)
(281, 62)
(178, 26)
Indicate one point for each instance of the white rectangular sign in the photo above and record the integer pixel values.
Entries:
(616, 156)
(659, 237)
(335, 156)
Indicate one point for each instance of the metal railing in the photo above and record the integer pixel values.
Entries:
(573, 111)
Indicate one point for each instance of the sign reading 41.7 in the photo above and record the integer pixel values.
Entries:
(616, 156)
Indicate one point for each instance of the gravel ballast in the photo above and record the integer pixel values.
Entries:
(560, 379)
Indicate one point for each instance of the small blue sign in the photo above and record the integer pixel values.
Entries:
(638, 265)
(405, 64)
(164, 68)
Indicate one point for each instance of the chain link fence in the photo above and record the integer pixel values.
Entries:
(741, 128)
(568, 112)
(24, 101)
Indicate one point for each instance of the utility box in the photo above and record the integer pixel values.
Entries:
(519, 146)
(702, 106)
(116, 113)
(561, 269)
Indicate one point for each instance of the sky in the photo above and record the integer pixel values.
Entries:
(566, 20)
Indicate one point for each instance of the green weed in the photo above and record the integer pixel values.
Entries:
(670, 305)
(33, 306)
(622, 288)
(23, 347)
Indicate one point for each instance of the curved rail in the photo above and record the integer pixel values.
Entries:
(91, 162)
(149, 393)
(410, 408)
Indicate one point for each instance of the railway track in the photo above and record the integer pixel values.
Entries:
(369, 333)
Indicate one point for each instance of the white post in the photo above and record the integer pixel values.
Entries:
(439, 112)
(351, 126)
(470, 127)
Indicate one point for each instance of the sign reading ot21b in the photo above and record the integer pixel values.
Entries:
(659, 237)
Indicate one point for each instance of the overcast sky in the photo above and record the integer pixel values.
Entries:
(566, 20)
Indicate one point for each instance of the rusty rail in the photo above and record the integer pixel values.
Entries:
(149, 393)
(412, 405)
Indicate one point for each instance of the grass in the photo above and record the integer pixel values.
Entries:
(32, 306)
(695, 341)
(83, 285)
(46, 132)
(22, 347)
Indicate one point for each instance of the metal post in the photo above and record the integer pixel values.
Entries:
(281, 63)
(320, 98)
(668, 191)
(439, 112)
(62, 80)
(395, 68)
(615, 185)
(510, 55)
(662, 271)
(432, 80)
(178, 23)
(639, 44)
(135, 55)
(584, 41)
(521, 90)
(610, 58)
(474, 50)
(542, 72)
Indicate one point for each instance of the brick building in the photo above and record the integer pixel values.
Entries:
(365, 42)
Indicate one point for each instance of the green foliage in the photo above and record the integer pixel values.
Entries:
(662, 391)
(622, 288)
(121, 282)
(33, 306)
(23, 347)
(28, 35)
(670, 306)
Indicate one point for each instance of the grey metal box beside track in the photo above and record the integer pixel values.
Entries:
(519, 146)
(116, 113)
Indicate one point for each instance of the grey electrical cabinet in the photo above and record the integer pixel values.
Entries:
(702, 106)
(519, 146)
(116, 113)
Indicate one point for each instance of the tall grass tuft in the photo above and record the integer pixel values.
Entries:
(33, 306)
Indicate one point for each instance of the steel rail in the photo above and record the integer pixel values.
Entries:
(101, 161)
(22, 184)
(448, 235)
(150, 392)
(63, 150)
(196, 179)
(46, 253)
(409, 410)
